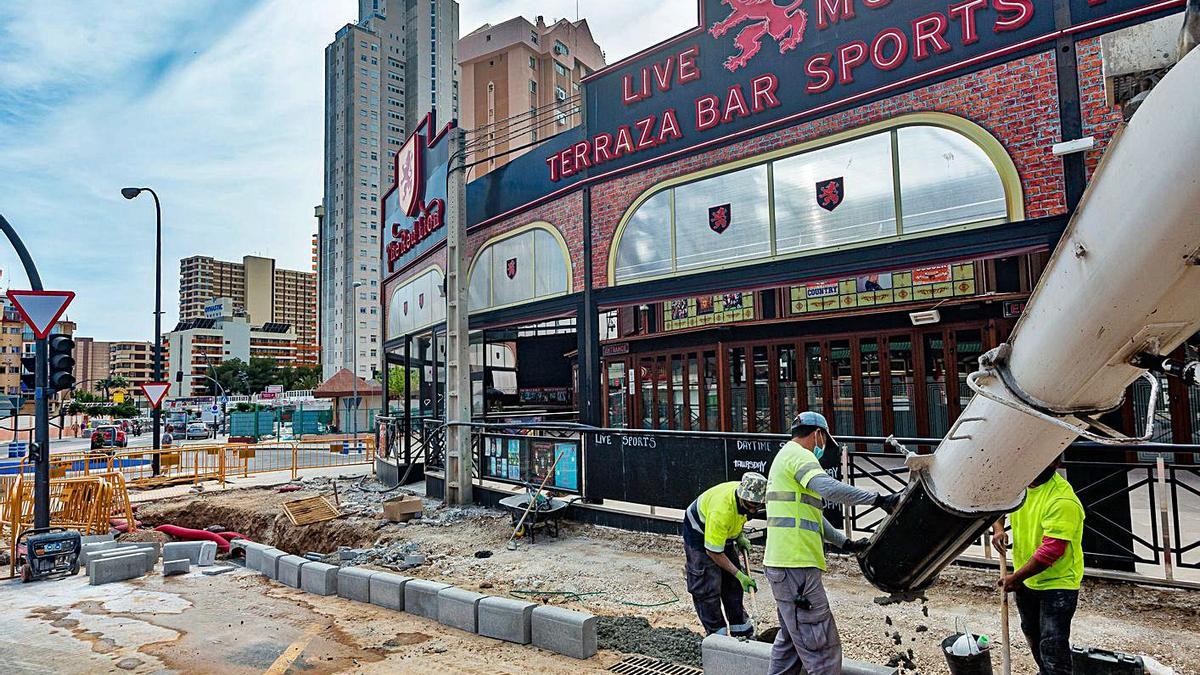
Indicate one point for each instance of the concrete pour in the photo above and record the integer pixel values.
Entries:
(633, 635)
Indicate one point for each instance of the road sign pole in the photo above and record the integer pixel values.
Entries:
(41, 408)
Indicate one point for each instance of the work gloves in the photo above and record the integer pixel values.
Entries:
(743, 544)
(746, 582)
(855, 546)
(888, 502)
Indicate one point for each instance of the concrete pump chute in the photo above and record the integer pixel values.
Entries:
(1124, 281)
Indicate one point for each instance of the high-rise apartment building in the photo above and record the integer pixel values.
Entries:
(382, 76)
(91, 364)
(520, 83)
(133, 361)
(265, 293)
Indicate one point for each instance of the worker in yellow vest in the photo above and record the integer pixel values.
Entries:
(797, 488)
(1048, 563)
(712, 541)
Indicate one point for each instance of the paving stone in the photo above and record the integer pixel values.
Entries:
(565, 632)
(116, 568)
(173, 567)
(147, 556)
(268, 564)
(319, 578)
(184, 549)
(459, 608)
(208, 553)
(96, 538)
(354, 583)
(387, 590)
(724, 654)
(289, 570)
(421, 597)
(92, 548)
(506, 619)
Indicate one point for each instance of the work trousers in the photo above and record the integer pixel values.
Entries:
(1046, 621)
(713, 589)
(808, 639)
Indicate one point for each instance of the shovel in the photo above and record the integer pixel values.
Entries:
(512, 539)
(753, 598)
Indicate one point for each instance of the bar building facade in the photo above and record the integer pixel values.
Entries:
(842, 218)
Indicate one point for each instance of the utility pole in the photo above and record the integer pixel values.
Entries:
(458, 349)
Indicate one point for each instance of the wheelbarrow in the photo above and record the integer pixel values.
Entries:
(546, 513)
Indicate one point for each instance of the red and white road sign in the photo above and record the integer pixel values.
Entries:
(156, 392)
(41, 309)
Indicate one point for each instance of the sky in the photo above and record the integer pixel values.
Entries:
(216, 104)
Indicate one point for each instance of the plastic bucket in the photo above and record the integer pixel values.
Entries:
(974, 664)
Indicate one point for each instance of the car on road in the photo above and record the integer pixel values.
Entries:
(197, 430)
(109, 436)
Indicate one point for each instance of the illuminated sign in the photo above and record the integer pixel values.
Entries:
(884, 288)
(414, 211)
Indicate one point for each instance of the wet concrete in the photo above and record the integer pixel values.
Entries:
(633, 635)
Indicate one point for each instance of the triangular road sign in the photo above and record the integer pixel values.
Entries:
(156, 392)
(41, 309)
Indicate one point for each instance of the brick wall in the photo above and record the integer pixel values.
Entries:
(1016, 101)
(1099, 119)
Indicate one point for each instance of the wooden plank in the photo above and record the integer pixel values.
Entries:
(310, 510)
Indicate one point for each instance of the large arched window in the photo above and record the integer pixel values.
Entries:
(528, 264)
(417, 304)
(906, 177)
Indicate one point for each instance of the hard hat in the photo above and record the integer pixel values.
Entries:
(753, 488)
(810, 418)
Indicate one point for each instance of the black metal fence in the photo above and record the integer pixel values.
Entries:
(1142, 502)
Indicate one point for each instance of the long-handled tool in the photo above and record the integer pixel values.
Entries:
(1006, 648)
(512, 539)
(753, 597)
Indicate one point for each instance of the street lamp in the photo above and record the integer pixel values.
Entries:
(354, 380)
(156, 412)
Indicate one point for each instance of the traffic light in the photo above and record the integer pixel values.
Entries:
(61, 361)
(28, 374)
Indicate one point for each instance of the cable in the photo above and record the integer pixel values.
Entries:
(573, 596)
(550, 119)
(570, 100)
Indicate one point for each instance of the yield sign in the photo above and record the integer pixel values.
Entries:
(156, 392)
(41, 309)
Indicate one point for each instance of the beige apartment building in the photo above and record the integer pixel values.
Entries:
(196, 345)
(91, 363)
(133, 361)
(519, 83)
(259, 289)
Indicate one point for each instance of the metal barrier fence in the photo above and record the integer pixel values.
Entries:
(219, 462)
(1142, 503)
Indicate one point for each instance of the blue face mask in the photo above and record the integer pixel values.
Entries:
(818, 451)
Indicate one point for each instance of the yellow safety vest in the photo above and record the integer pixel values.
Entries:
(794, 520)
(1050, 510)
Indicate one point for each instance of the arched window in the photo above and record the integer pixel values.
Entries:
(528, 264)
(906, 177)
(418, 304)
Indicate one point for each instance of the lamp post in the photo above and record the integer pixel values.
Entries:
(156, 412)
(354, 361)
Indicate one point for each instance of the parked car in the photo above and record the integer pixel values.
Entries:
(197, 430)
(109, 436)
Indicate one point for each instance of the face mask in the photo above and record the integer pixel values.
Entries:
(818, 451)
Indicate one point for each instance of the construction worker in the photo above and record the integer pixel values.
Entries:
(797, 488)
(1048, 562)
(713, 541)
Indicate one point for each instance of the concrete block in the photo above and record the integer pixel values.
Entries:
(354, 583)
(459, 608)
(146, 555)
(506, 619)
(252, 551)
(173, 567)
(268, 564)
(184, 549)
(723, 654)
(95, 538)
(387, 590)
(565, 632)
(421, 597)
(208, 553)
(116, 568)
(89, 549)
(319, 578)
(289, 570)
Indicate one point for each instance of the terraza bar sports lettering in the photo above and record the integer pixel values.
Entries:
(751, 26)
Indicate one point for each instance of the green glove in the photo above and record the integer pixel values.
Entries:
(743, 543)
(747, 582)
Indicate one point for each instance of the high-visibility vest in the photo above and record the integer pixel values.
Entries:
(794, 520)
(1051, 509)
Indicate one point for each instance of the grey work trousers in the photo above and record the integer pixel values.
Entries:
(808, 635)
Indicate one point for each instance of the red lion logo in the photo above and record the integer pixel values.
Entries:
(785, 24)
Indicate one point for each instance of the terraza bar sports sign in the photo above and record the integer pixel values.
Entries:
(752, 62)
(414, 211)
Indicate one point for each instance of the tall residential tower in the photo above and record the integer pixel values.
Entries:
(382, 76)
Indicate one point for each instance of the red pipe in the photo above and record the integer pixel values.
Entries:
(230, 536)
(188, 534)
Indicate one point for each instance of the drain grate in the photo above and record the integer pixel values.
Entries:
(642, 665)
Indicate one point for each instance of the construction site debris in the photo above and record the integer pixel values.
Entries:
(634, 635)
(310, 510)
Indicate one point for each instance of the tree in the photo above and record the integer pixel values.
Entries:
(398, 380)
(232, 376)
(261, 373)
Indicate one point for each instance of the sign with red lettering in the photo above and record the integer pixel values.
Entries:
(414, 211)
(752, 64)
